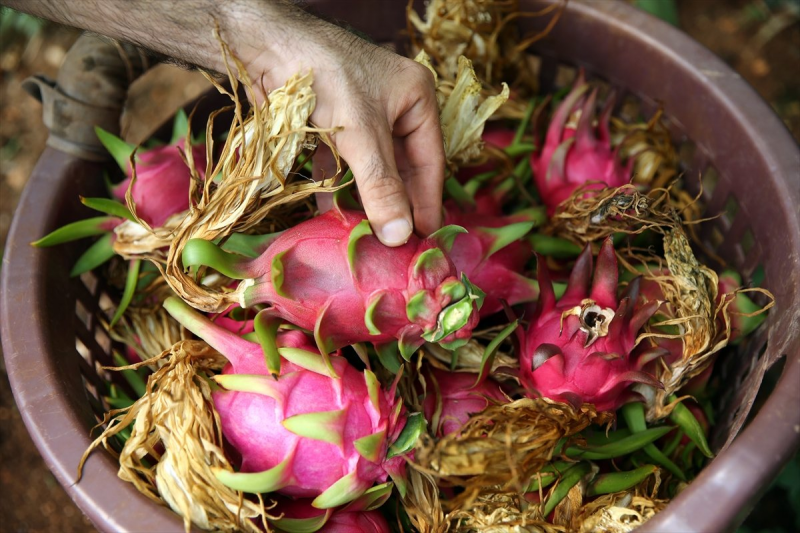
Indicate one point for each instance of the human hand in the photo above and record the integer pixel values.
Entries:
(387, 107)
(385, 103)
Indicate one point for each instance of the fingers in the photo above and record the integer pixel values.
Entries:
(370, 153)
(422, 163)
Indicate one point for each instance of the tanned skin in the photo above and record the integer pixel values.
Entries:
(386, 103)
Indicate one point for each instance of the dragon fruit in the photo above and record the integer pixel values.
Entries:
(306, 434)
(577, 156)
(162, 182)
(582, 349)
(455, 397)
(332, 276)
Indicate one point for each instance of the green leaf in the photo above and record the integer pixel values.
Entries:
(515, 150)
(74, 231)
(685, 419)
(428, 259)
(556, 247)
(302, 525)
(446, 235)
(415, 426)
(389, 356)
(276, 274)
(266, 328)
(345, 490)
(373, 498)
(548, 474)
(119, 149)
(304, 359)
(343, 198)
(324, 345)
(250, 246)
(633, 414)
(522, 128)
(374, 390)
(257, 482)
(369, 314)
(666, 10)
(108, 206)
(255, 383)
(199, 252)
(570, 478)
(362, 229)
(505, 235)
(180, 127)
(136, 382)
(624, 446)
(325, 426)
(130, 289)
(97, 254)
(369, 447)
(619, 481)
(491, 350)
(459, 193)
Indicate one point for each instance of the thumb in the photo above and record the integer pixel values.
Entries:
(370, 154)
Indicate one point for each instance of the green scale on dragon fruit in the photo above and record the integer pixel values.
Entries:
(332, 276)
(582, 349)
(305, 434)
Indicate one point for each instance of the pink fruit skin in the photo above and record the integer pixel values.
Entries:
(460, 399)
(252, 422)
(499, 275)
(571, 158)
(359, 522)
(162, 182)
(556, 362)
(316, 255)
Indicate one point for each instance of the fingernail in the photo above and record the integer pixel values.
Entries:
(395, 232)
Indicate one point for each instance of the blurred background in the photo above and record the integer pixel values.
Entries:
(760, 39)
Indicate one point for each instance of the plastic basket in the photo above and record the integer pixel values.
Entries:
(750, 169)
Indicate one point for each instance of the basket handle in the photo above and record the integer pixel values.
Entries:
(90, 90)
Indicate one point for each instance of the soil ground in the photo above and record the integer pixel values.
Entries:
(759, 38)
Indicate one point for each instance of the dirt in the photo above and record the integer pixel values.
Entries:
(761, 41)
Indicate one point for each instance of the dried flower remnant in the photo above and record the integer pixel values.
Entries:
(501, 448)
(177, 415)
(463, 111)
(481, 30)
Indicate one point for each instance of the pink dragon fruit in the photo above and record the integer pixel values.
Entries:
(162, 182)
(576, 156)
(306, 434)
(582, 349)
(332, 276)
(455, 397)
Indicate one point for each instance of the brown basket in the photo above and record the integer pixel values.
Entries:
(750, 167)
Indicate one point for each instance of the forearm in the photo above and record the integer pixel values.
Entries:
(259, 31)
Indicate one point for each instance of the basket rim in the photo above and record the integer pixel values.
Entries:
(114, 505)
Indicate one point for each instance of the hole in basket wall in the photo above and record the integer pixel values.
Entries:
(731, 209)
(748, 241)
(83, 314)
(710, 179)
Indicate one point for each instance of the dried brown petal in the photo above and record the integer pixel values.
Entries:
(177, 417)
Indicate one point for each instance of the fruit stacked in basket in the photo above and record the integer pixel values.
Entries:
(541, 361)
